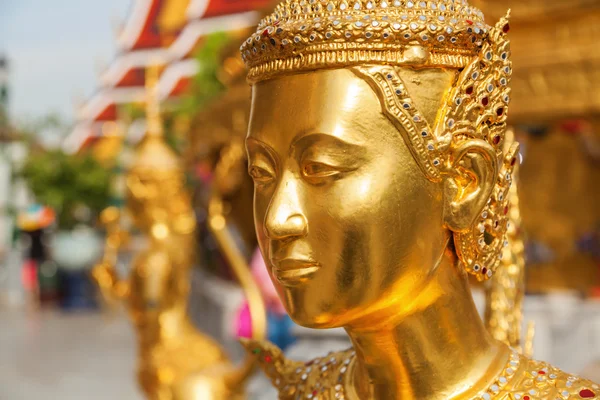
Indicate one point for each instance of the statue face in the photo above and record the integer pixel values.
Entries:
(346, 220)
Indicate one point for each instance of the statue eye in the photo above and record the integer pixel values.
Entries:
(319, 170)
(260, 175)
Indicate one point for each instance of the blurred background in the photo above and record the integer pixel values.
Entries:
(83, 86)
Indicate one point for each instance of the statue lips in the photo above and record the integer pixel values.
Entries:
(290, 271)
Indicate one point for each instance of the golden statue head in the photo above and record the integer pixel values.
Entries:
(156, 191)
(376, 146)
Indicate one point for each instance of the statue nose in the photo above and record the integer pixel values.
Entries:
(286, 227)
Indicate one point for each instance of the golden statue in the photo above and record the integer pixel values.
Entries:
(176, 361)
(376, 144)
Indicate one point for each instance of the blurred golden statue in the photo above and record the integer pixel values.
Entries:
(176, 361)
(376, 144)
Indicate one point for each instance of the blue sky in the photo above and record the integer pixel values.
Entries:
(55, 48)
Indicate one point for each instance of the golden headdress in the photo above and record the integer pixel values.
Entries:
(372, 38)
(309, 34)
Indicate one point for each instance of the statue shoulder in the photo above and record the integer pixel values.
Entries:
(294, 378)
(527, 379)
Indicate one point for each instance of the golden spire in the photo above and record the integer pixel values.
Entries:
(153, 118)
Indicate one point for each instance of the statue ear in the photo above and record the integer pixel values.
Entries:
(470, 178)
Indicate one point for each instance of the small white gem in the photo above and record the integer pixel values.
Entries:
(359, 24)
(509, 371)
(441, 38)
(397, 3)
(304, 376)
(324, 368)
(423, 4)
(337, 22)
(441, 17)
(569, 384)
(552, 376)
(494, 387)
(486, 396)
(410, 4)
(369, 5)
(343, 6)
(517, 396)
(489, 275)
(433, 27)
(299, 370)
(565, 393)
(430, 147)
(343, 370)
(357, 6)
(425, 37)
(396, 26)
(442, 7)
(330, 7)
(383, 4)
(423, 18)
(502, 379)
(532, 392)
(413, 26)
(375, 23)
(490, 88)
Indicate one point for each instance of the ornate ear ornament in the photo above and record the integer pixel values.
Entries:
(477, 108)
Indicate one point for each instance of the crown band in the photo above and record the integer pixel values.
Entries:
(314, 34)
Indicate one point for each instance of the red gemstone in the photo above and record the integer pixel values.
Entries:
(496, 139)
(506, 28)
(539, 372)
(526, 397)
(500, 112)
(513, 161)
(268, 359)
(315, 392)
(266, 32)
(506, 212)
(309, 363)
(469, 90)
(587, 394)
(485, 101)
(469, 22)
(484, 271)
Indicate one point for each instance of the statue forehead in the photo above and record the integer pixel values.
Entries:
(330, 99)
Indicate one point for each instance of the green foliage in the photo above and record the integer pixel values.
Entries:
(77, 187)
(206, 85)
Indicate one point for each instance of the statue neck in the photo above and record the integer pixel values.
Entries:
(437, 349)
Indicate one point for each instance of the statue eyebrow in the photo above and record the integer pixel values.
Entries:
(309, 139)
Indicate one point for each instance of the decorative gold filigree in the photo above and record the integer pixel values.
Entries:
(303, 35)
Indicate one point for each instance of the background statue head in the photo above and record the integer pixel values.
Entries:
(376, 146)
